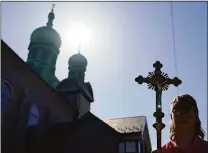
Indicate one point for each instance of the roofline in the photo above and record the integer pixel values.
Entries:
(130, 134)
(33, 71)
(144, 124)
(107, 126)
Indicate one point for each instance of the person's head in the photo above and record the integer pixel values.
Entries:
(185, 114)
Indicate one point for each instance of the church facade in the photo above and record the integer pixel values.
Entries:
(40, 113)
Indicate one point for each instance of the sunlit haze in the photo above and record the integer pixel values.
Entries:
(77, 35)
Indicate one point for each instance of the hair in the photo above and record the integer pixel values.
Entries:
(199, 130)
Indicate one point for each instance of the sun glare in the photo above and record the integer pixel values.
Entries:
(78, 34)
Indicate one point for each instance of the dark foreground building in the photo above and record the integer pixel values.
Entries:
(40, 114)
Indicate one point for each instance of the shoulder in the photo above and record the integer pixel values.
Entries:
(203, 144)
(168, 147)
(202, 141)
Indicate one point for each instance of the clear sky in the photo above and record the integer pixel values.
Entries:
(128, 37)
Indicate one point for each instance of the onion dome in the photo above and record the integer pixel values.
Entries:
(46, 34)
(77, 60)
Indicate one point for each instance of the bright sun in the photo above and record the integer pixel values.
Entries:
(78, 34)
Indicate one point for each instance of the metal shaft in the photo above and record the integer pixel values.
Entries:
(158, 115)
(159, 140)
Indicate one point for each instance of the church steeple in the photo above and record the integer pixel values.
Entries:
(43, 49)
(77, 67)
(74, 89)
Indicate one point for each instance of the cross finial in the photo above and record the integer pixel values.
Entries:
(79, 48)
(53, 6)
(51, 17)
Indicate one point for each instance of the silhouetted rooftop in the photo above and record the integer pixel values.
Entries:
(127, 125)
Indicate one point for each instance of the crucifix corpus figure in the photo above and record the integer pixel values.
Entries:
(158, 81)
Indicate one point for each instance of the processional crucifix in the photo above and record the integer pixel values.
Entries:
(158, 81)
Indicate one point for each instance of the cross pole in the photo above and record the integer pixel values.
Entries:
(158, 81)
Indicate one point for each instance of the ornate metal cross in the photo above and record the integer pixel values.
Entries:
(53, 6)
(158, 81)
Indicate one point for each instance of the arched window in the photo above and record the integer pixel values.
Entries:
(5, 96)
(34, 115)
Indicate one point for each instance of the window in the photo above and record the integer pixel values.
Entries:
(130, 146)
(5, 96)
(34, 115)
(121, 147)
